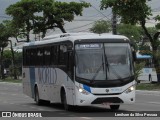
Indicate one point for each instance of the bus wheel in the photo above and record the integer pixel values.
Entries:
(36, 98)
(150, 79)
(64, 101)
(114, 107)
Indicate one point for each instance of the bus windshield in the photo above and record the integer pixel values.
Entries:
(105, 61)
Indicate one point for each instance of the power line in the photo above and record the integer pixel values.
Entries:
(84, 30)
(84, 25)
(97, 10)
(88, 23)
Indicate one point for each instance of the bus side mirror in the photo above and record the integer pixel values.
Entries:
(134, 56)
(133, 50)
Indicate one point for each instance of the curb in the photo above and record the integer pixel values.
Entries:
(148, 92)
(10, 83)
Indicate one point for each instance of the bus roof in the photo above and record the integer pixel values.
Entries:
(75, 36)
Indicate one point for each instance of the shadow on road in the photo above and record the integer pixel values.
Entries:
(77, 111)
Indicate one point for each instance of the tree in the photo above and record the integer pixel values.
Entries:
(101, 26)
(6, 31)
(3, 44)
(40, 15)
(8, 62)
(133, 32)
(137, 12)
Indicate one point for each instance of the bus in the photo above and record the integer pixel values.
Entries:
(80, 69)
(148, 72)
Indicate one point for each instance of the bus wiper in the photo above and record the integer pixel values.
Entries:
(108, 66)
(106, 63)
(95, 75)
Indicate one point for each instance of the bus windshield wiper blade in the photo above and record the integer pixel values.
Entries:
(106, 63)
(95, 75)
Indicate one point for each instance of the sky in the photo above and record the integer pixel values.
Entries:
(90, 15)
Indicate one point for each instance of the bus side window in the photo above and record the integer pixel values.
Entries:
(62, 55)
(54, 55)
(29, 57)
(24, 57)
(33, 57)
(70, 64)
(47, 56)
(40, 56)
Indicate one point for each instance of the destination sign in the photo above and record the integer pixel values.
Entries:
(89, 46)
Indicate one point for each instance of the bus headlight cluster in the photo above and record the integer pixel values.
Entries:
(81, 90)
(130, 89)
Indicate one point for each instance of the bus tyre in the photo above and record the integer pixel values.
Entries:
(64, 101)
(37, 100)
(150, 79)
(114, 107)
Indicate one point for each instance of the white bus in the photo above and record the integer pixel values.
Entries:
(148, 72)
(80, 70)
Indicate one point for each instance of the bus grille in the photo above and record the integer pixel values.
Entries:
(107, 100)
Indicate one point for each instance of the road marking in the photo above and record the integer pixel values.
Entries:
(41, 109)
(154, 103)
(87, 118)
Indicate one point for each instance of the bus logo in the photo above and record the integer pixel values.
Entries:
(107, 90)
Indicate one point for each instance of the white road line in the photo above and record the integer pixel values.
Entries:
(87, 118)
(33, 107)
(41, 109)
(154, 103)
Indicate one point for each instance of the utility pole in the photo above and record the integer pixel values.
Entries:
(114, 23)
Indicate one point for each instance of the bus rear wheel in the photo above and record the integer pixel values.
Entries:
(150, 78)
(114, 107)
(37, 99)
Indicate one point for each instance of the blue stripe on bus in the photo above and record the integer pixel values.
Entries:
(87, 88)
(32, 79)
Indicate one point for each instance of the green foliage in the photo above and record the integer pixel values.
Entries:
(131, 11)
(136, 12)
(148, 86)
(13, 70)
(101, 26)
(8, 58)
(3, 36)
(145, 50)
(138, 68)
(40, 15)
(131, 31)
(7, 54)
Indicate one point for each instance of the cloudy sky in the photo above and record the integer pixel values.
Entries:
(90, 15)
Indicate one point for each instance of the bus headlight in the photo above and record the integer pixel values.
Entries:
(81, 90)
(130, 89)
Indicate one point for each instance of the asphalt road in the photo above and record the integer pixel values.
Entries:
(13, 99)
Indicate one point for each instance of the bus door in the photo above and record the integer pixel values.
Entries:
(70, 76)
